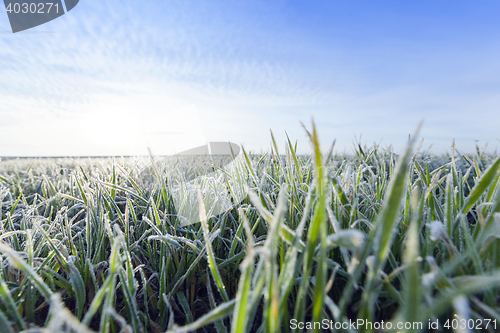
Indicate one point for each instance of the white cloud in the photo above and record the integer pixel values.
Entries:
(109, 66)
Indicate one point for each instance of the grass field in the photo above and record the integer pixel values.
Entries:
(87, 245)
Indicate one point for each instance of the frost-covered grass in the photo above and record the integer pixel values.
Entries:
(90, 245)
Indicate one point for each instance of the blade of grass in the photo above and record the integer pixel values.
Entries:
(384, 231)
(210, 253)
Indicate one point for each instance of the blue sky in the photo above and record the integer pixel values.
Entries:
(114, 77)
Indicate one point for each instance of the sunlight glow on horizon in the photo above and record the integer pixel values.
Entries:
(113, 76)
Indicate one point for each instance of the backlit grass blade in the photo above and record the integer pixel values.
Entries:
(449, 204)
(4, 180)
(295, 160)
(16, 203)
(317, 229)
(486, 179)
(490, 227)
(319, 218)
(412, 295)
(240, 314)
(288, 271)
(210, 253)
(269, 255)
(384, 232)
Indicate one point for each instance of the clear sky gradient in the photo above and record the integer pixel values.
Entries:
(114, 77)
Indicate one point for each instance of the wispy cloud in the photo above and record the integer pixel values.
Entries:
(248, 67)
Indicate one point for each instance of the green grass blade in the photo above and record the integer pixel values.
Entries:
(317, 229)
(8, 301)
(412, 294)
(384, 232)
(18, 262)
(78, 286)
(241, 311)
(486, 179)
(220, 312)
(210, 253)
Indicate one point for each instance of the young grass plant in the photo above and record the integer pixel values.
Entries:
(98, 245)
